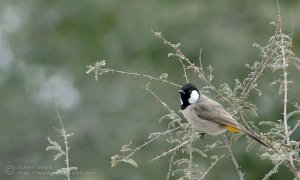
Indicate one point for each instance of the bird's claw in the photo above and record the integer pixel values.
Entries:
(202, 136)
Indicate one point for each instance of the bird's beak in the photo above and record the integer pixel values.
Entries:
(180, 91)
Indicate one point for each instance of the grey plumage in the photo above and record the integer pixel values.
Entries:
(203, 118)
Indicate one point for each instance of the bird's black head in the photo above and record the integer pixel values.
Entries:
(189, 94)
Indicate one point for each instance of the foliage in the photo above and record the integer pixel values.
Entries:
(277, 56)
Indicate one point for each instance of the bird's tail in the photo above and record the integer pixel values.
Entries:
(255, 137)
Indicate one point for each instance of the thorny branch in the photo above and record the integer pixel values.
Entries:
(99, 70)
(253, 79)
(65, 136)
(154, 138)
(212, 165)
(191, 154)
(170, 151)
(231, 156)
(293, 130)
(272, 171)
(285, 90)
(165, 105)
(171, 165)
(285, 80)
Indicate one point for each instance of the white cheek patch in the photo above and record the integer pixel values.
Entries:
(193, 97)
(181, 102)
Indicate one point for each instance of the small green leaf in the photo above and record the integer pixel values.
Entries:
(52, 142)
(238, 86)
(157, 33)
(115, 160)
(267, 123)
(163, 76)
(199, 152)
(257, 46)
(57, 156)
(210, 68)
(130, 161)
(215, 157)
(172, 116)
(289, 115)
(101, 63)
(126, 147)
(170, 54)
(154, 135)
(296, 105)
(177, 45)
(115, 163)
(250, 108)
(55, 148)
(250, 146)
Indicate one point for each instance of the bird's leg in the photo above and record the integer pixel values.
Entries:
(202, 135)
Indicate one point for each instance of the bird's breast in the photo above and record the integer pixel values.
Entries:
(203, 125)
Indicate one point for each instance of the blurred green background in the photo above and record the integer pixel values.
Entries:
(48, 44)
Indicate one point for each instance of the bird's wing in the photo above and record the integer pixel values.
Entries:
(210, 110)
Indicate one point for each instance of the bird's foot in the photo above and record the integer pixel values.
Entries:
(202, 135)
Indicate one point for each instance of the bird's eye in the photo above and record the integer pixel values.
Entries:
(190, 91)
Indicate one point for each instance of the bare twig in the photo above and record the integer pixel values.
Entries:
(293, 168)
(170, 150)
(285, 90)
(165, 105)
(143, 75)
(154, 138)
(272, 171)
(99, 70)
(285, 80)
(217, 147)
(191, 154)
(244, 121)
(65, 136)
(294, 129)
(57, 111)
(184, 70)
(211, 166)
(200, 59)
(171, 165)
(238, 169)
(253, 79)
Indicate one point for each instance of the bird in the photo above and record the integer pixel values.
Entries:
(208, 116)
